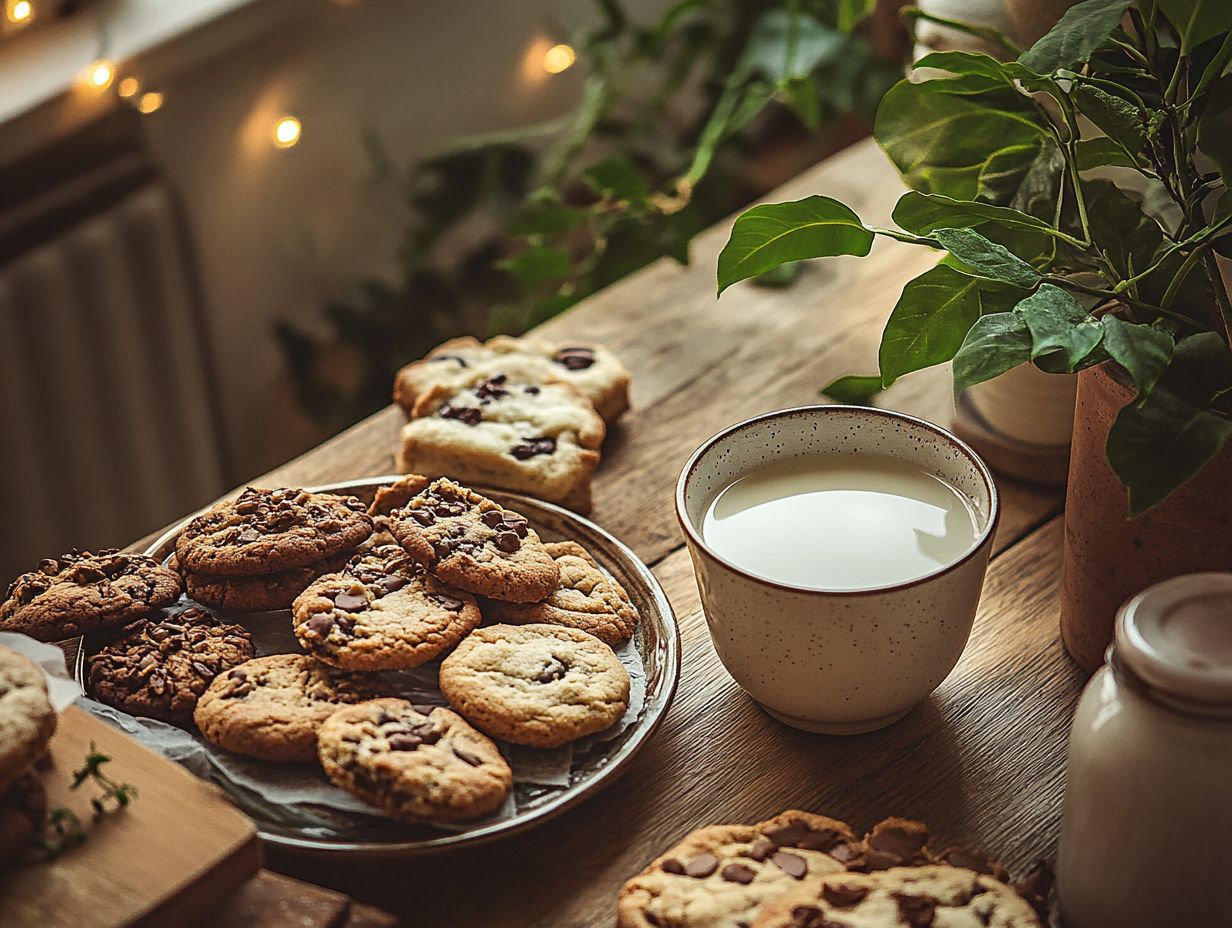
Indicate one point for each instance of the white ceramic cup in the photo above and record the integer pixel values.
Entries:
(849, 661)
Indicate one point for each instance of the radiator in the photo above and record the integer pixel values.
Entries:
(108, 423)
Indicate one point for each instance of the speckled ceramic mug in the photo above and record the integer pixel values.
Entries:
(849, 661)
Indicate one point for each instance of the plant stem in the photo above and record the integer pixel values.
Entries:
(1068, 283)
(984, 32)
(1131, 51)
(1182, 272)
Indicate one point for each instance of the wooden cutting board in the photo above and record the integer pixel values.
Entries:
(166, 860)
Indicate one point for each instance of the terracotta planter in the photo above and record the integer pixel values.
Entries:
(1109, 557)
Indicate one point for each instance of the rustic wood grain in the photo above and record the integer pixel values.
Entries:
(981, 760)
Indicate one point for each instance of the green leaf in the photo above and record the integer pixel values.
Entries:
(547, 217)
(1102, 152)
(1024, 177)
(1028, 237)
(782, 276)
(854, 389)
(537, 265)
(851, 12)
(786, 45)
(1059, 326)
(1124, 232)
(616, 177)
(769, 235)
(1215, 126)
(996, 343)
(1117, 117)
(1196, 21)
(1084, 28)
(976, 64)
(1160, 441)
(940, 141)
(1143, 350)
(987, 259)
(932, 317)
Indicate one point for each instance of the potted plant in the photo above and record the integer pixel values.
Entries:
(1080, 195)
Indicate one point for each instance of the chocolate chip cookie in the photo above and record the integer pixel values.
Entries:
(81, 592)
(23, 809)
(541, 685)
(721, 875)
(27, 719)
(418, 763)
(541, 439)
(258, 593)
(593, 370)
(159, 667)
(474, 544)
(382, 612)
(585, 598)
(271, 707)
(901, 897)
(397, 494)
(269, 531)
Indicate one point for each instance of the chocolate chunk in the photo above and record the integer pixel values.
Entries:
(507, 542)
(575, 359)
(445, 601)
(390, 584)
(492, 518)
(530, 447)
(202, 669)
(423, 708)
(320, 624)
(956, 857)
(492, 388)
(248, 535)
(404, 741)
(462, 754)
(893, 844)
(552, 670)
(845, 853)
(532, 390)
(798, 834)
(350, 602)
(793, 865)
(672, 865)
(443, 548)
(806, 916)
(422, 516)
(701, 866)
(468, 414)
(449, 357)
(916, 911)
(761, 849)
(843, 895)
(738, 873)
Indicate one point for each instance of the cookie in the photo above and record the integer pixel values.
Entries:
(159, 667)
(474, 544)
(23, 809)
(259, 593)
(271, 707)
(720, 876)
(585, 598)
(594, 371)
(541, 685)
(417, 763)
(82, 592)
(27, 719)
(270, 531)
(397, 494)
(382, 612)
(901, 897)
(538, 439)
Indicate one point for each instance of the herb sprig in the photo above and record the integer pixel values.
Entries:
(63, 829)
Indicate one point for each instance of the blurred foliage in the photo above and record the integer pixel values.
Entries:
(506, 230)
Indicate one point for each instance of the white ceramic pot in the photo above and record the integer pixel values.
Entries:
(931, 37)
(849, 661)
(1028, 405)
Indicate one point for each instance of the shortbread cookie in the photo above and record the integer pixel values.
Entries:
(474, 544)
(902, 897)
(270, 531)
(159, 667)
(720, 876)
(271, 707)
(382, 612)
(27, 719)
(82, 592)
(542, 440)
(418, 763)
(23, 809)
(593, 370)
(541, 685)
(585, 598)
(397, 494)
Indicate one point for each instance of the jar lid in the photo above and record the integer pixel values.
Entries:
(1176, 637)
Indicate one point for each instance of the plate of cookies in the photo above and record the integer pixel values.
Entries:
(390, 666)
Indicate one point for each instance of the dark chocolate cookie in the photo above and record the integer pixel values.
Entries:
(83, 592)
(269, 531)
(258, 593)
(160, 667)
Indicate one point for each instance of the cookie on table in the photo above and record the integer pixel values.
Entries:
(538, 439)
(271, 707)
(27, 720)
(82, 592)
(382, 611)
(474, 544)
(417, 763)
(270, 531)
(901, 897)
(23, 809)
(540, 685)
(721, 876)
(585, 598)
(258, 593)
(590, 368)
(159, 667)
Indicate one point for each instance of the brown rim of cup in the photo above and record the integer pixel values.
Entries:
(985, 538)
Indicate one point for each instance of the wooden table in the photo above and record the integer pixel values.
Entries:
(981, 760)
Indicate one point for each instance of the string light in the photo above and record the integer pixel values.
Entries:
(150, 103)
(100, 74)
(287, 132)
(558, 58)
(21, 11)
(128, 87)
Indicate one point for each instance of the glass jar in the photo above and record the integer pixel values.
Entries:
(1146, 835)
